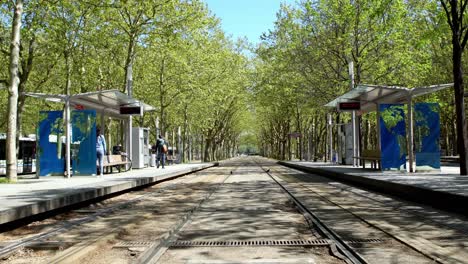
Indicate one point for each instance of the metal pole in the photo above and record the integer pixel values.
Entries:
(355, 152)
(410, 133)
(129, 150)
(180, 152)
(67, 137)
(355, 161)
(110, 136)
(103, 128)
(129, 84)
(379, 145)
(330, 129)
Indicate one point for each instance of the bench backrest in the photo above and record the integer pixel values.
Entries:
(112, 158)
(373, 153)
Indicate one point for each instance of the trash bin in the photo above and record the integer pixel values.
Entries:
(153, 160)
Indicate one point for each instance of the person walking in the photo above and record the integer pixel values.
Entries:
(100, 150)
(161, 148)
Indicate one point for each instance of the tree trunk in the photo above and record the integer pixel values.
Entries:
(11, 166)
(129, 65)
(462, 139)
(206, 156)
(26, 67)
(184, 135)
(162, 100)
(455, 18)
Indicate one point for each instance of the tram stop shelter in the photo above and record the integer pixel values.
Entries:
(106, 103)
(388, 102)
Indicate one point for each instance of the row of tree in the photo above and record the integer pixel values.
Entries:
(303, 63)
(173, 55)
(170, 53)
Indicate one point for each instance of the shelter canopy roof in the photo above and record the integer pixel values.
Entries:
(108, 101)
(371, 95)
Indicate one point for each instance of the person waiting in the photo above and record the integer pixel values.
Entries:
(161, 148)
(100, 150)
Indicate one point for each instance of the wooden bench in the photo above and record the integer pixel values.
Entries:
(371, 155)
(170, 159)
(111, 161)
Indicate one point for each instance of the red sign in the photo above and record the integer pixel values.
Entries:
(79, 107)
(349, 106)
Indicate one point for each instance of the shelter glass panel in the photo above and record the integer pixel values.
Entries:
(427, 135)
(393, 136)
(83, 147)
(51, 137)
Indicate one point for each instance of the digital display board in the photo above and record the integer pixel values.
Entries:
(349, 106)
(130, 110)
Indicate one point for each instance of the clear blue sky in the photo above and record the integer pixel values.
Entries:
(248, 18)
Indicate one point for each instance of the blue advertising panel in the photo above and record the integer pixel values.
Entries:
(51, 147)
(392, 136)
(427, 135)
(83, 146)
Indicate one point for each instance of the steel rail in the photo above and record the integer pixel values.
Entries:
(411, 211)
(71, 224)
(155, 252)
(351, 256)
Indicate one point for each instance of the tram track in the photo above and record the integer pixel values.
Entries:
(243, 205)
(417, 245)
(328, 240)
(338, 246)
(42, 238)
(398, 238)
(153, 254)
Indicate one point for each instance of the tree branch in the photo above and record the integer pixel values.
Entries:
(447, 13)
(463, 8)
(465, 39)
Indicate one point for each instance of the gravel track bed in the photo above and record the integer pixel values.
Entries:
(355, 214)
(135, 221)
(249, 206)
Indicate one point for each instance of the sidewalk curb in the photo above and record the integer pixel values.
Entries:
(66, 198)
(442, 200)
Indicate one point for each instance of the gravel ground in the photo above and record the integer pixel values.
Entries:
(248, 206)
(358, 214)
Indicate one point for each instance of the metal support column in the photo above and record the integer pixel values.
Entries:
(377, 117)
(353, 121)
(109, 144)
(67, 138)
(410, 134)
(129, 138)
(180, 151)
(330, 133)
(378, 143)
(103, 128)
(355, 152)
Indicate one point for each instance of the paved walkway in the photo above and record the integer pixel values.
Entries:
(33, 196)
(445, 189)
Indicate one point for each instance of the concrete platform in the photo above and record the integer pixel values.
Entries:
(30, 197)
(446, 190)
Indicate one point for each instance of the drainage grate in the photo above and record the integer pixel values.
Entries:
(365, 241)
(128, 244)
(190, 243)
